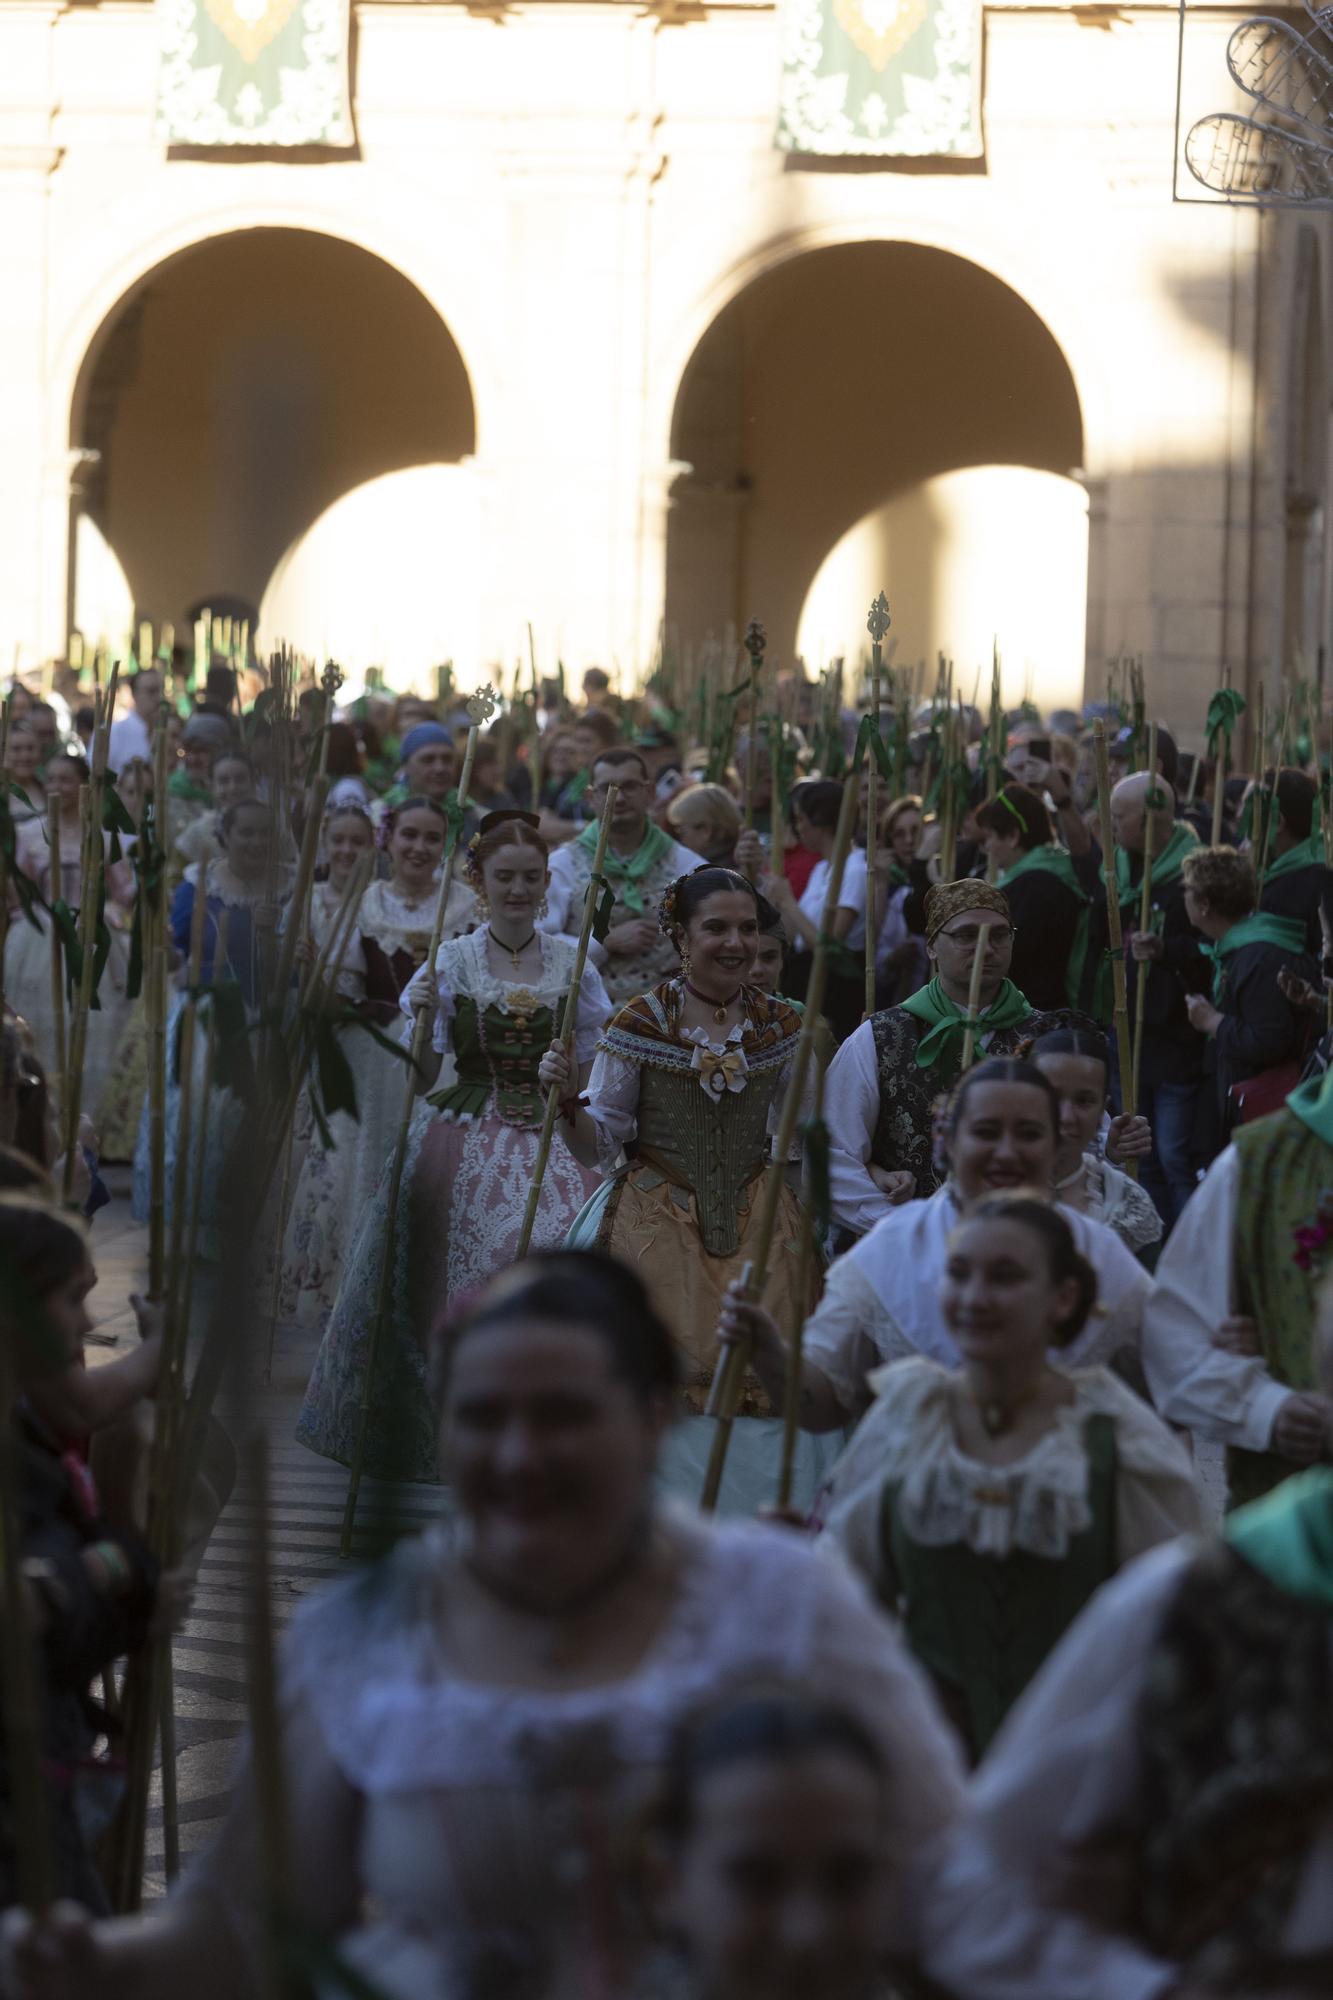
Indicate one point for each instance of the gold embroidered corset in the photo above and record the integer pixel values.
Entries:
(714, 1146)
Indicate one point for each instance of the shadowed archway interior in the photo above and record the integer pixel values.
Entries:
(243, 387)
(829, 386)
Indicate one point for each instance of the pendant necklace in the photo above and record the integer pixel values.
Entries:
(997, 1417)
(515, 951)
(721, 1008)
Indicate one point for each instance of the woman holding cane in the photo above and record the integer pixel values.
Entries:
(682, 1108)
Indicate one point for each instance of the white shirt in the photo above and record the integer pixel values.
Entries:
(1059, 1801)
(1230, 1397)
(882, 1300)
(851, 896)
(130, 737)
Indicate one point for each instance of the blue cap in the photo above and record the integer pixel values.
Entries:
(422, 737)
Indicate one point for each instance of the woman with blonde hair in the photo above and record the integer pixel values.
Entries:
(706, 819)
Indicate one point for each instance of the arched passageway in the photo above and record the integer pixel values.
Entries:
(837, 401)
(239, 391)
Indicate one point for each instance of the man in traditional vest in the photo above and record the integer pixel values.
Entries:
(1227, 1334)
(884, 1081)
(640, 862)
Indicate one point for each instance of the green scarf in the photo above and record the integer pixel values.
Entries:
(625, 873)
(1166, 866)
(1288, 1535)
(1052, 860)
(1312, 1103)
(1305, 854)
(182, 786)
(1260, 927)
(947, 1024)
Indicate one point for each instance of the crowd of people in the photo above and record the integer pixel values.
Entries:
(996, 1664)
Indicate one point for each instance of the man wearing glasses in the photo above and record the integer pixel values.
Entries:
(640, 861)
(884, 1081)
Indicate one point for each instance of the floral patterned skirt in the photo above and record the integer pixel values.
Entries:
(465, 1186)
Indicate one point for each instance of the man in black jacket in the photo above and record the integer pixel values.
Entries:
(1295, 879)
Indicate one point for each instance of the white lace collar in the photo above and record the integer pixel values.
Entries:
(1038, 1503)
(465, 964)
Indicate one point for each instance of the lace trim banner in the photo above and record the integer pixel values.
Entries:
(886, 78)
(253, 73)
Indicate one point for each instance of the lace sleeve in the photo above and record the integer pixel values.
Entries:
(1129, 1210)
(416, 991)
(593, 1014)
(613, 1104)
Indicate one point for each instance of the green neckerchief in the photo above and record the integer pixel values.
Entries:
(1166, 866)
(182, 786)
(946, 1023)
(1260, 927)
(625, 872)
(1312, 1103)
(1305, 854)
(1052, 860)
(1288, 1535)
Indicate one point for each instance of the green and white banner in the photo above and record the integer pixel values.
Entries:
(881, 78)
(253, 73)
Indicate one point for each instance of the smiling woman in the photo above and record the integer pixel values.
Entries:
(1011, 1481)
(471, 1727)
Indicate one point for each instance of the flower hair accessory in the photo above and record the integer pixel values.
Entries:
(667, 920)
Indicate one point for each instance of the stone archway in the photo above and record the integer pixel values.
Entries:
(239, 390)
(833, 386)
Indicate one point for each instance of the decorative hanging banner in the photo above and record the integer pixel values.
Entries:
(253, 73)
(881, 78)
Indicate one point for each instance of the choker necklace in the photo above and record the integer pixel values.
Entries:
(721, 1008)
(515, 951)
(996, 1417)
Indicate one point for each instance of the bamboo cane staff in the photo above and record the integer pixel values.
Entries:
(568, 1019)
(1150, 798)
(729, 1376)
(1270, 806)
(53, 805)
(756, 639)
(791, 1399)
(1257, 754)
(974, 996)
(536, 724)
(90, 898)
(480, 708)
(877, 624)
(201, 1134)
(1220, 772)
(1114, 930)
(155, 1004)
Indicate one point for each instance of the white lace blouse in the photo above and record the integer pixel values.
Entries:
(462, 971)
(452, 1832)
(1038, 1503)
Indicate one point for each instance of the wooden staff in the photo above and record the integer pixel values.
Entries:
(1270, 806)
(755, 641)
(974, 996)
(153, 929)
(480, 708)
(877, 624)
(201, 1136)
(1114, 930)
(1145, 900)
(1257, 742)
(29, 1809)
(57, 956)
(791, 1397)
(267, 1763)
(1220, 771)
(729, 1377)
(90, 898)
(536, 723)
(568, 1018)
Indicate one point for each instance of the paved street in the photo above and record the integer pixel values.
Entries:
(307, 1505)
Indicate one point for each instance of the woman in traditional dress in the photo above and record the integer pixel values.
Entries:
(470, 1728)
(1087, 1179)
(496, 998)
(388, 941)
(127, 1078)
(901, 965)
(231, 778)
(882, 1299)
(986, 1503)
(23, 772)
(243, 883)
(28, 947)
(682, 1107)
